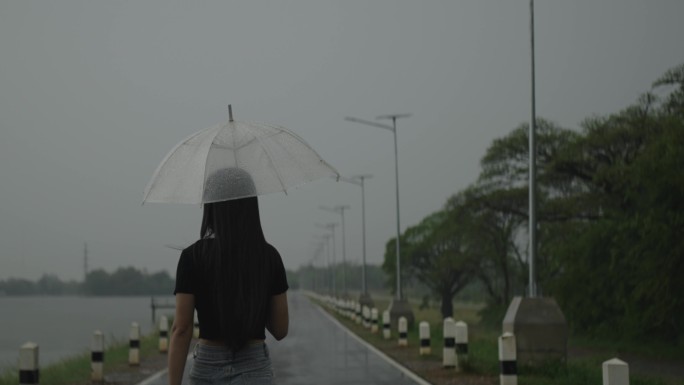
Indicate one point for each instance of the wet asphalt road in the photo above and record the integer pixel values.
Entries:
(318, 351)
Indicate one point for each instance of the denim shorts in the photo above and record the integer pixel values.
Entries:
(219, 365)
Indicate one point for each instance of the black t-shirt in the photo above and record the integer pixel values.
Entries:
(190, 279)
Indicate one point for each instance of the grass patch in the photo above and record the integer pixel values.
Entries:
(76, 370)
(483, 354)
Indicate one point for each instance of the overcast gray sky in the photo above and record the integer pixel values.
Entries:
(93, 94)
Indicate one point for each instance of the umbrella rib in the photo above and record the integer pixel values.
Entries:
(153, 181)
(270, 158)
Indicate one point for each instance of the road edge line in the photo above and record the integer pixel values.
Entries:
(412, 375)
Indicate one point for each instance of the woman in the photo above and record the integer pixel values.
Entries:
(237, 283)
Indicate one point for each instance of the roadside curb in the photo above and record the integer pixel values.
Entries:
(410, 374)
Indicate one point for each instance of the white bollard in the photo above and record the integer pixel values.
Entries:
(358, 318)
(163, 334)
(424, 332)
(461, 342)
(386, 325)
(366, 316)
(195, 330)
(374, 320)
(508, 360)
(134, 345)
(449, 350)
(403, 331)
(97, 356)
(615, 372)
(28, 364)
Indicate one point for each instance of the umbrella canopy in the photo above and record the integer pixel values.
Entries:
(235, 160)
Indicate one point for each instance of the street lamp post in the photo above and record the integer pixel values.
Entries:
(550, 332)
(399, 306)
(533, 168)
(325, 244)
(359, 180)
(340, 210)
(331, 227)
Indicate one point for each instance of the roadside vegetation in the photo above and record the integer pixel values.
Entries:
(610, 206)
(77, 370)
(123, 281)
(482, 366)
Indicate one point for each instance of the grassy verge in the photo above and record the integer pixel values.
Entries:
(76, 370)
(482, 366)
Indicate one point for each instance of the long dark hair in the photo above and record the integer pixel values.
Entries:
(236, 261)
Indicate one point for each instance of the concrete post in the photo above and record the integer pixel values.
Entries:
(461, 342)
(403, 331)
(134, 345)
(163, 334)
(374, 320)
(508, 360)
(358, 313)
(615, 372)
(28, 364)
(449, 350)
(97, 357)
(424, 333)
(386, 333)
(366, 317)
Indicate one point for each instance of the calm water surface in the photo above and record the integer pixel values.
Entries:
(63, 326)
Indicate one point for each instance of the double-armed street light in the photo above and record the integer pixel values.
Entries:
(340, 210)
(399, 306)
(359, 180)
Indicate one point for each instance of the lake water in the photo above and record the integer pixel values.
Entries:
(63, 326)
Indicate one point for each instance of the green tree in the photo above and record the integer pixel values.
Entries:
(628, 253)
(433, 253)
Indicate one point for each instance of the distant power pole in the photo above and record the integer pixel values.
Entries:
(85, 261)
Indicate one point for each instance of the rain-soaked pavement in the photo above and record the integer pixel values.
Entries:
(318, 351)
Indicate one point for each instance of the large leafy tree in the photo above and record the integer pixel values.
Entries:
(500, 203)
(435, 254)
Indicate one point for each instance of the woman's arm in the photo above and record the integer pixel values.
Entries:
(279, 319)
(181, 334)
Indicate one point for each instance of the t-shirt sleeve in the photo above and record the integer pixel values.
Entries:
(279, 285)
(184, 274)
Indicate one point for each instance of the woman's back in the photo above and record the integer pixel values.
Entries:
(232, 306)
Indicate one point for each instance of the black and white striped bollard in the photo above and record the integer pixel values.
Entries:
(449, 350)
(403, 331)
(508, 360)
(357, 317)
(424, 332)
(461, 340)
(374, 320)
(134, 345)
(28, 364)
(386, 333)
(366, 317)
(163, 334)
(97, 356)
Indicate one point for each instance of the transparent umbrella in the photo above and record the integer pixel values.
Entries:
(235, 160)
